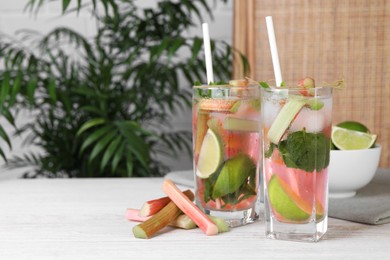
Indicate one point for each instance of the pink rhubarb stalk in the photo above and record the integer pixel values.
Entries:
(133, 215)
(151, 207)
(182, 221)
(189, 208)
(160, 220)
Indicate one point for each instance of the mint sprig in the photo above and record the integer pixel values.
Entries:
(264, 84)
(305, 151)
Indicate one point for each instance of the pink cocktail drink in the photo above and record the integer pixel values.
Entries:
(227, 150)
(296, 138)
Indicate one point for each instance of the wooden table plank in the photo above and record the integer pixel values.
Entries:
(84, 219)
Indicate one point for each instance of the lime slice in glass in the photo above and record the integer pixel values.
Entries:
(285, 202)
(210, 155)
(345, 139)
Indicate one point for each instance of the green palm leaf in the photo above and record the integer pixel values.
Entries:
(134, 142)
(52, 90)
(94, 136)
(5, 137)
(129, 164)
(101, 144)
(15, 88)
(4, 89)
(3, 155)
(110, 151)
(117, 157)
(31, 87)
(91, 123)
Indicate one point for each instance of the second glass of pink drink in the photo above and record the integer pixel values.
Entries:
(227, 150)
(296, 136)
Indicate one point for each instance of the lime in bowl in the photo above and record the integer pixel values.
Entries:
(354, 159)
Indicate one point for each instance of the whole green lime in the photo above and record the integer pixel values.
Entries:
(354, 125)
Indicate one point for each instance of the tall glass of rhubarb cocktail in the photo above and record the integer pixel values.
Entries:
(227, 150)
(296, 143)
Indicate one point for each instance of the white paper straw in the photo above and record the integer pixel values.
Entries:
(207, 52)
(274, 50)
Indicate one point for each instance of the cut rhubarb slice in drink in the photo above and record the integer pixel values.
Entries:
(239, 124)
(284, 119)
(217, 105)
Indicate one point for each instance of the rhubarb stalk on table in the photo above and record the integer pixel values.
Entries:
(182, 221)
(151, 207)
(161, 219)
(189, 208)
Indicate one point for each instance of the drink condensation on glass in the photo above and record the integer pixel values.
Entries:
(227, 150)
(296, 141)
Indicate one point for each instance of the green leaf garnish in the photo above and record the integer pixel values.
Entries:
(218, 83)
(305, 151)
(197, 83)
(263, 84)
(270, 150)
(204, 93)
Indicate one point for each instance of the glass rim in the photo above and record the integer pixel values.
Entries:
(273, 89)
(226, 86)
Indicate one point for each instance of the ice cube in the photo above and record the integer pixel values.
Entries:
(270, 110)
(312, 120)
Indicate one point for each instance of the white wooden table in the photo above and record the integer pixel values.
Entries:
(85, 219)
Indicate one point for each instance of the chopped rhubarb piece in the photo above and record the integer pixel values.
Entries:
(201, 130)
(306, 83)
(221, 224)
(151, 207)
(239, 83)
(182, 221)
(133, 215)
(221, 105)
(189, 208)
(151, 226)
(158, 221)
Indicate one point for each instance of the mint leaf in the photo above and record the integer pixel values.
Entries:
(218, 83)
(264, 84)
(209, 185)
(270, 150)
(244, 192)
(204, 93)
(197, 83)
(305, 151)
(315, 104)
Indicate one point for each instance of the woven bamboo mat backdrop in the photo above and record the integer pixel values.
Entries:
(327, 40)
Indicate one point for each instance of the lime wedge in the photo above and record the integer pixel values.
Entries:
(283, 201)
(233, 174)
(210, 155)
(346, 139)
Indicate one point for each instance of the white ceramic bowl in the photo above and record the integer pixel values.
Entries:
(351, 170)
